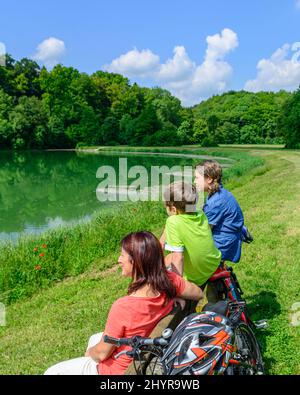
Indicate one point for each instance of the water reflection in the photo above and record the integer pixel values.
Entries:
(43, 190)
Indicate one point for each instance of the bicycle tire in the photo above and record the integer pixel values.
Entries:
(153, 365)
(248, 346)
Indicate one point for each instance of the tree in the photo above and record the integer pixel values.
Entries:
(289, 122)
(6, 104)
(200, 131)
(85, 90)
(212, 123)
(228, 133)
(184, 132)
(146, 124)
(6, 130)
(115, 87)
(29, 123)
(57, 137)
(63, 107)
(258, 110)
(109, 132)
(131, 103)
(7, 75)
(161, 137)
(86, 130)
(248, 135)
(74, 105)
(126, 129)
(167, 107)
(26, 78)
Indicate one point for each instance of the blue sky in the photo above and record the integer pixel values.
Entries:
(219, 43)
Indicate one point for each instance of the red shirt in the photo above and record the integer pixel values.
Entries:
(130, 316)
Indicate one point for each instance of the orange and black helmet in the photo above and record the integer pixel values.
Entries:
(200, 345)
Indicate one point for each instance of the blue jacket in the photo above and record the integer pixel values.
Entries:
(225, 214)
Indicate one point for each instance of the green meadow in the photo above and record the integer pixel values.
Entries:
(52, 312)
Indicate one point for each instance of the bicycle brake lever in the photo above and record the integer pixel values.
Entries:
(128, 353)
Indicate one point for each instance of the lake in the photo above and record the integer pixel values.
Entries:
(42, 190)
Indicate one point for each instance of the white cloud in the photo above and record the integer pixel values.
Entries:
(184, 78)
(211, 76)
(280, 71)
(219, 45)
(298, 4)
(135, 63)
(2, 54)
(177, 68)
(50, 51)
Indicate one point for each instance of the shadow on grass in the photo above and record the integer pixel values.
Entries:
(264, 306)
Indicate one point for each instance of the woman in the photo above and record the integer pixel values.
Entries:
(150, 297)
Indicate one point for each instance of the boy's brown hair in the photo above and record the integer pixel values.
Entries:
(211, 168)
(182, 196)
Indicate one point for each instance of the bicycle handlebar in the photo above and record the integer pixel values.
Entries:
(136, 341)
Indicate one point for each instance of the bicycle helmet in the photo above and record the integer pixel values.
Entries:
(201, 345)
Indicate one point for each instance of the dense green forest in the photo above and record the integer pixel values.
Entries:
(64, 108)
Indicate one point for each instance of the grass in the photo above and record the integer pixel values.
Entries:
(260, 146)
(55, 323)
(269, 270)
(70, 251)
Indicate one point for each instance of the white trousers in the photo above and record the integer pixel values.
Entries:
(78, 366)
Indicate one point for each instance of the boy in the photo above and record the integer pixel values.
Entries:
(188, 236)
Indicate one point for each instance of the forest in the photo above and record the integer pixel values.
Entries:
(66, 108)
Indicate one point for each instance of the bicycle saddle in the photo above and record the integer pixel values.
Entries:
(220, 307)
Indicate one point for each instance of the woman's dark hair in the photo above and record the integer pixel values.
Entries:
(148, 263)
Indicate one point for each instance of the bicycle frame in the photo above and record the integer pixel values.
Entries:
(232, 288)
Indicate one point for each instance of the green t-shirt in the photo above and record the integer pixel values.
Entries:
(191, 234)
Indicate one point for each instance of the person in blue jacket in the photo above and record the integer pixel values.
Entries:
(222, 210)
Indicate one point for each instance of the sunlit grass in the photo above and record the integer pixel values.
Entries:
(258, 146)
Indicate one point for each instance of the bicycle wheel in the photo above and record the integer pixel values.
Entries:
(154, 367)
(248, 348)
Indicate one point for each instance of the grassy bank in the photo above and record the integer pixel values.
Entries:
(55, 323)
(38, 262)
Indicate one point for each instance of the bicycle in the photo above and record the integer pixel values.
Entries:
(224, 345)
(227, 287)
(245, 340)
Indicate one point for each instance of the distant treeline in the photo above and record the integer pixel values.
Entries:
(64, 108)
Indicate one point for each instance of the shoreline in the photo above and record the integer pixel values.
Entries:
(151, 153)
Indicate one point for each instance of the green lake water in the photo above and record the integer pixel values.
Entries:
(42, 190)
